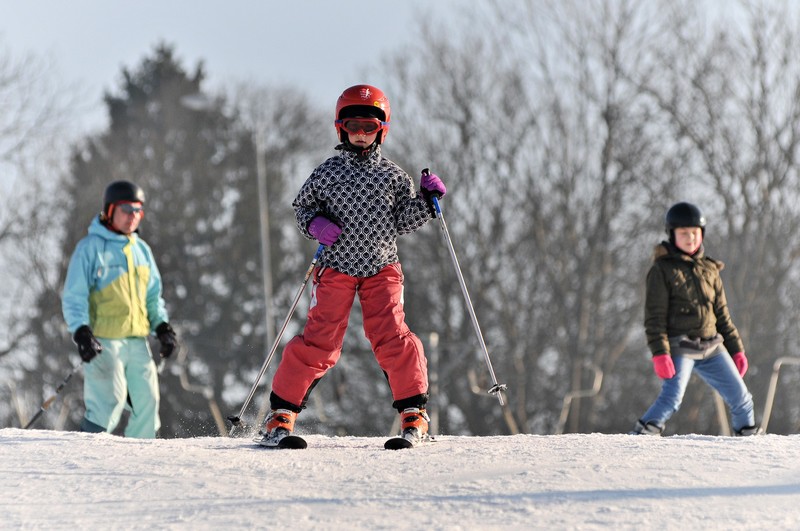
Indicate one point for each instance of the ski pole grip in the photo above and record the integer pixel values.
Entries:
(433, 195)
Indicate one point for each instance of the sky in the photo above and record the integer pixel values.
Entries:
(69, 480)
(320, 45)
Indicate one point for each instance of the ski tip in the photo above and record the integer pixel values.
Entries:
(293, 442)
(290, 442)
(397, 443)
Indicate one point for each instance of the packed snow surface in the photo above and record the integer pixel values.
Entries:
(67, 480)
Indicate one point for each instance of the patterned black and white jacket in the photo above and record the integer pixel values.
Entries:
(372, 199)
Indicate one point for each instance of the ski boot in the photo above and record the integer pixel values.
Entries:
(747, 431)
(414, 425)
(279, 425)
(646, 428)
(413, 430)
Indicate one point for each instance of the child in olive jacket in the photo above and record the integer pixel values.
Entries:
(689, 327)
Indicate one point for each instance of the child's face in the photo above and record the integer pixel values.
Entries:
(357, 127)
(362, 139)
(688, 239)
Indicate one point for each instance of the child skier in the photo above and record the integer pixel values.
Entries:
(688, 326)
(356, 203)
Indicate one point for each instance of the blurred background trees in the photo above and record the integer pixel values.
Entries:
(564, 130)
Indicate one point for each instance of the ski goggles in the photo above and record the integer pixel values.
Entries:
(128, 208)
(364, 126)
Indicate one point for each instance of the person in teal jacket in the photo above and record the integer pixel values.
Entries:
(111, 303)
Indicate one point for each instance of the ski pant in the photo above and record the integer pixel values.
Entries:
(123, 371)
(719, 372)
(308, 356)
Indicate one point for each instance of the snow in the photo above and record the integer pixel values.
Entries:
(69, 480)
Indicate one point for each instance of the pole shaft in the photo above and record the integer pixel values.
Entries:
(46, 405)
(267, 361)
(496, 388)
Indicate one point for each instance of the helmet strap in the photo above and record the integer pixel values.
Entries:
(107, 214)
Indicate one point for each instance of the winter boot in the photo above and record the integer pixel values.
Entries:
(747, 431)
(279, 424)
(646, 428)
(414, 424)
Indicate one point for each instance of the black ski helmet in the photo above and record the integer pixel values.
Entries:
(121, 191)
(684, 215)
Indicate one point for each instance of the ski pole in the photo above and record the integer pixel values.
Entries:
(237, 420)
(496, 389)
(47, 403)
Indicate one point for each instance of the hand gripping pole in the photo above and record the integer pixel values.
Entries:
(496, 389)
(237, 420)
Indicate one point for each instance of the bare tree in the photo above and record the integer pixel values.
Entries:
(731, 95)
(36, 110)
(560, 169)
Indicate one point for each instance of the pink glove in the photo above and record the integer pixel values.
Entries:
(741, 362)
(431, 185)
(662, 364)
(324, 230)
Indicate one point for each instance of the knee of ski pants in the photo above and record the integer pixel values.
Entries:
(105, 388)
(124, 369)
(144, 421)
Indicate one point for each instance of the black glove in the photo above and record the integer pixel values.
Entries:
(88, 345)
(166, 335)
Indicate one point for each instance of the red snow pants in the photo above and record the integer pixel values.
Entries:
(308, 356)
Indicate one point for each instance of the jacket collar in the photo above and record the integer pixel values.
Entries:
(372, 159)
(98, 228)
(666, 249)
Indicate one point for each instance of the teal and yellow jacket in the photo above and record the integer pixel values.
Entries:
(113, 285)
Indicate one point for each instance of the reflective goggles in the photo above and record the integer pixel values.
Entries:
(364, 126)
(130, 209)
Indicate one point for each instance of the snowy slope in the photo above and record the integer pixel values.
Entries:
(67, 480)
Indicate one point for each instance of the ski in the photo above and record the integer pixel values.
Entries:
(402, 442)
(290, 442)
(295, 442)
(398, 443)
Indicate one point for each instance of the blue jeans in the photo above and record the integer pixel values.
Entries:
(719, 372)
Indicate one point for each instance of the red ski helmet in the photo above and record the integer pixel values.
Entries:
(363, 100)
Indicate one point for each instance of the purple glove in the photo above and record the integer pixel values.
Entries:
(324, 230)
(662, 364)
(741, 362)
(431, 185)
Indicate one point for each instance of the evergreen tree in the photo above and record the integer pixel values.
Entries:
(197, 170)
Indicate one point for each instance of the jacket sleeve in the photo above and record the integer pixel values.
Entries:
(412, 210)
(307, 206)
(725, 326)
(75, 295)
(656, 310)
(156, 307)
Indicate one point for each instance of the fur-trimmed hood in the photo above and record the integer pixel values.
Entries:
(666, 249)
